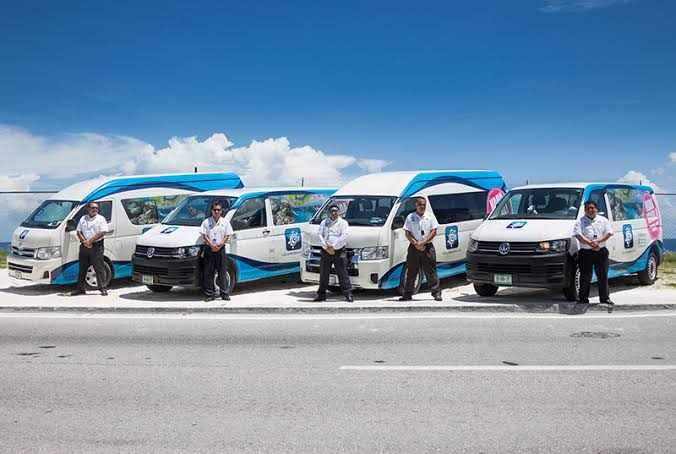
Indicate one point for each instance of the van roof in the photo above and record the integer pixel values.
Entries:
(583, 185)
(101, 187)
(406, 184)
(264, 190)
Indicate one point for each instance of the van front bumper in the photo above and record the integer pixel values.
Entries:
(25, 270)
(539, 271)
(167, 271)
(364, 274)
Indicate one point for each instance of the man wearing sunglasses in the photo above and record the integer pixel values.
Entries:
(333, 236)
(216, 231)
(90, 231)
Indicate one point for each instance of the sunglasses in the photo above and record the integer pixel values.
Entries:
(215, 209)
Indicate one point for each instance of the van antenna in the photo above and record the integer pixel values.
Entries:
(195, 169)
(302, 182)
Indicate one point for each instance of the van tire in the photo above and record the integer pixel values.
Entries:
(230, 278)
(335, 289)
(402, 282)
(159, 288)
(90, 279)
(485, 289)
(649, 275)
(572, 290)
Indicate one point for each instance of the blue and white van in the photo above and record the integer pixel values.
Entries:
(376, 205)
(527, 241)
(267, 241)
(45, 247)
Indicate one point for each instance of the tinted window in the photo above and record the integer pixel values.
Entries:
(450, 208)
(363, 211)
(539, 203)
(105, 210)
(294, 208)
(150, 210)
(250, 215)
(50, 213)
(597, 197)
(193, 210)
(625, 203)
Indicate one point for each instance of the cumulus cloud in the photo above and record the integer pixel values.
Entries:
(372, 165)
(558, 6)
(672, 157)
(636, 177)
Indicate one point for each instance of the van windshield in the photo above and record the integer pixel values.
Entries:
(193, 210)
(50, 214)
(371, 211)
(539, 203)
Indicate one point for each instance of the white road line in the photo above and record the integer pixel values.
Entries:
(512, 368)
(399, 316)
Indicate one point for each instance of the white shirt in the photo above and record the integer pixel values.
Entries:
(216, 231)
(420, 226)
(592, 229)
(89, 226)
(333, 233)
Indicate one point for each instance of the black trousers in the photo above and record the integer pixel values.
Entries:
(215, 264)
(91, 256)
(339, 262)
(593, 261)
(425, 261)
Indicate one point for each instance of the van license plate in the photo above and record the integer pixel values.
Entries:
(502, 279)
(147, 279)
(15, 274)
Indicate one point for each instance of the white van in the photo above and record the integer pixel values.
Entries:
(376, 205)
(527, 241)
(267, 240)
(45, 247)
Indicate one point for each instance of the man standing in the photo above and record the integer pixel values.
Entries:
(592, 231)
(421, 228)
(333, 236)
(90, 231)
(216, 231)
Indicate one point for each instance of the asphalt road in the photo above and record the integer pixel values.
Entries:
(293, 384)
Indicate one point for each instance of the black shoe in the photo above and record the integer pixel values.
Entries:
(405, 298)
(437, 297)
(225, 297)
(209, 298)
(78, 292)
(104, 292)
(319, 298)
(608, 302)
(349, 298)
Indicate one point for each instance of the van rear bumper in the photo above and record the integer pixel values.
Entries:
(539, 271)
(167, 271)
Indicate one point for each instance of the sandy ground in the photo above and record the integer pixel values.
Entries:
(289, 293)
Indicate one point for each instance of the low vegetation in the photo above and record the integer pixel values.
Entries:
(3, 259)
(668, 269)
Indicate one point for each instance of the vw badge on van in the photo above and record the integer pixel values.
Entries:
(503, 249)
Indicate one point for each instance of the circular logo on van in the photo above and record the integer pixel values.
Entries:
(503, 249)
(150, 252)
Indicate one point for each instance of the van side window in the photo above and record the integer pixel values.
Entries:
(150, 210)
(625, 203)
(295, 208)
(449, 208)
(105, 210)
(406, 207)
(250, 215)
(596, 196)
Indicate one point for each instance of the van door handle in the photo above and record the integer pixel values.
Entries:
(266, 232)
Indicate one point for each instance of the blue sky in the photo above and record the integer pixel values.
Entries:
(541, 90)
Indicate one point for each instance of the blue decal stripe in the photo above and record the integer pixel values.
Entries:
(191, 181)
(68, 273)
(251, 270)
(392, 278)
(480, 179)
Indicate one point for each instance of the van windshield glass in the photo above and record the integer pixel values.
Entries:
(50, 214)
(539, 203)
(193, 210)
(359, 210)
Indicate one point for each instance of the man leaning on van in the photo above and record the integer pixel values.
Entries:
(90, 231)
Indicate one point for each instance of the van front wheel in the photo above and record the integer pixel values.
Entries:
(572, 290)
(402, 282)
(92, 281)
(485, 289)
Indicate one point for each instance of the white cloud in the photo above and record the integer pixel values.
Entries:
(635, 177)
(672, 157)
(372, 165)
(557, 6)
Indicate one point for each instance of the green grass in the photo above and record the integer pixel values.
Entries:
(3, 259)
(668, 269)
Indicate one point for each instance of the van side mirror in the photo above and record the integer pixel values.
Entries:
(397, 222)
(71, 225)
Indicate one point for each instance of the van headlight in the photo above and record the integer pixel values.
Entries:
(374, 253)
(46, 253)
(191, 251)
(554, 246)
(473, 245)
(305, 252)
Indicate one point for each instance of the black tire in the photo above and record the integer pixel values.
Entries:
(159, 288)
(335, 289)
(402, 282)
(91, 281)
(572, 290)
(649, 275)
(485, 289)
(230, 280)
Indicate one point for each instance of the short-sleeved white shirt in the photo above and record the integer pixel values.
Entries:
(333, 233)
(592, 229)
(216, 231)
(420, 226)
(89, 226)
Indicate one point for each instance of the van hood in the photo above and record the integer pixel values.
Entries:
(358, 237)
(171, 236)
(524, 230)
(32, 238)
